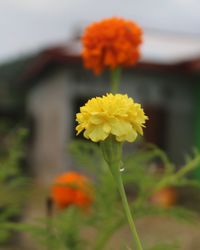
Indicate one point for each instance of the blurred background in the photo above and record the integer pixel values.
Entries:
(43, 82)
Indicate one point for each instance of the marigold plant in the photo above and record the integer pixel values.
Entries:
(116, 115)
(72, 188)
(111, 43)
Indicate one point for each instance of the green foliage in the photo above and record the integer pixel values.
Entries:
(146, 171)
(60, 232)
(86, 154)
(107, 215)
(12, 181)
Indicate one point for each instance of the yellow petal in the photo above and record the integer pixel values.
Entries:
(106, 128)
(97, 134)
(120, 127)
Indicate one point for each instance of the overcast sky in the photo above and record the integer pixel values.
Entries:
(29, 25)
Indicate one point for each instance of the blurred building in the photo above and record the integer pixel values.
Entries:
(48, 88)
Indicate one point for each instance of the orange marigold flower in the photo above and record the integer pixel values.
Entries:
(166, 197)
(72, 188)
(111, 43)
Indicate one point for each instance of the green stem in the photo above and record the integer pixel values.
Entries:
(127, 211)
(115, 80)
(173, 178)
(188, 167)
(112, 152)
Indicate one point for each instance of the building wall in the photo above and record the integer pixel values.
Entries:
(49, 105)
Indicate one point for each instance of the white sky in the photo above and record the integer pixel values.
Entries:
(29, 25)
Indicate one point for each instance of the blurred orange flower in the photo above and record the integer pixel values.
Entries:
(111, 43)
(72, 188)
(166, 197)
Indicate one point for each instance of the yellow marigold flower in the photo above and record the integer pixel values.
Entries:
(116, 115)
